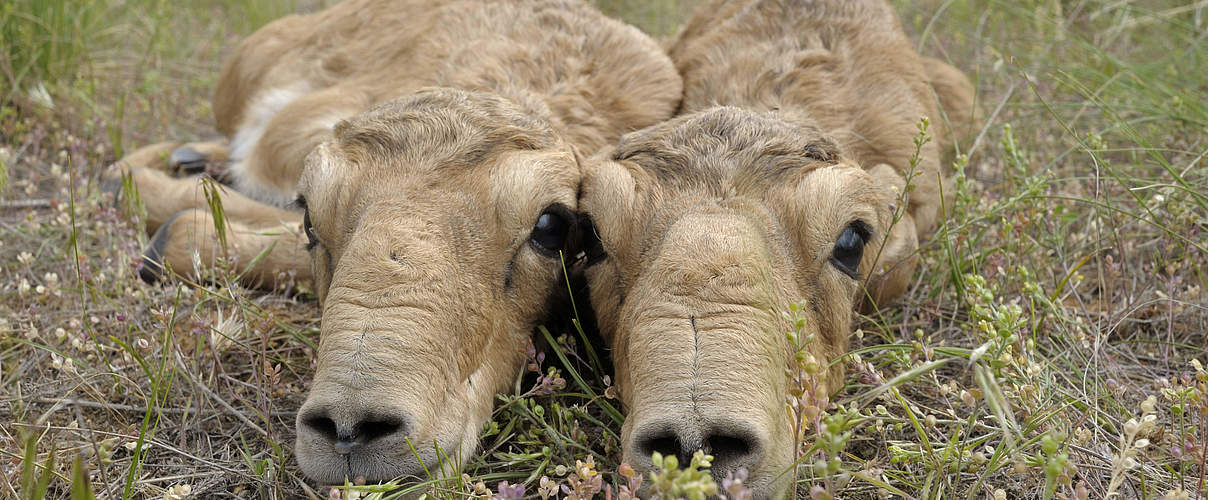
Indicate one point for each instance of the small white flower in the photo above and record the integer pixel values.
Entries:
(130, 446)
(178, 492)
(40, 96)
(1148, 405)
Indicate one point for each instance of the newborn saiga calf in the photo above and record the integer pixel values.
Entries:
(439, 188)
(781, 182)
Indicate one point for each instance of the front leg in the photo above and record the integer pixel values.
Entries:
(174, 158)
(200, 157)
(161, 173)
(163, 196)
(268, 256)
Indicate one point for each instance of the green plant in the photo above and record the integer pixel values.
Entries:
(693, 482)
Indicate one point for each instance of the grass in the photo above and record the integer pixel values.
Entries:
(1052, 345)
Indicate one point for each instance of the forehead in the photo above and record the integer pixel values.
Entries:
(725, 148)
(775, 166)
(442, 129)
(435, 137)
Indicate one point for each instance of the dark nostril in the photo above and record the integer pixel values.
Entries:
(361, 432)
(666, 444)
(322, 425)
(335, 429)
(733, 445)
(369, 430)
(731, 452)
(727, 446)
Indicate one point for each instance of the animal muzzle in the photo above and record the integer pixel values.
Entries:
(383, 408)
(712, 382)
(341, 437)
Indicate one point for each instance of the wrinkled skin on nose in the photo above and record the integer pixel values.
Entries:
(704, 321)
(710, 226)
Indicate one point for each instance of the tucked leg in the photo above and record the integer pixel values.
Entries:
(199, 157)
(172, 158)
(154, 170)
(268, 256)
(164, 196)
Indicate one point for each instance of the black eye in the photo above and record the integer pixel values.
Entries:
(551, 230)
(849, 248)
(311, 240)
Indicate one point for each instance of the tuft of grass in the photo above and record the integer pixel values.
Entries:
(45, 42)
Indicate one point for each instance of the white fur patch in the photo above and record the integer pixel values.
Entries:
(262, 110)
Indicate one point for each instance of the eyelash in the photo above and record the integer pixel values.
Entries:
(311, 239)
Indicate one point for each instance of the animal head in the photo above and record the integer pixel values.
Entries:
(435, 223)
(710, 226)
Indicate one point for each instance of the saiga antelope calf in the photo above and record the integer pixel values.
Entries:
(433, 148)
(783, 181)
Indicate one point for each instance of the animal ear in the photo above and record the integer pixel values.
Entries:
(579, 156)
(606, 206)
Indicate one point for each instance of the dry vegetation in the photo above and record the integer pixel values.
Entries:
(1048, 349)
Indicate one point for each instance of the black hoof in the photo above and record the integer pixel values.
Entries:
(188, 161)
(152, 270)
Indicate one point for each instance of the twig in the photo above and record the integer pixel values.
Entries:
(217, 399)
(178, 477)
(143, 409)
(23, 204)
(152, 442)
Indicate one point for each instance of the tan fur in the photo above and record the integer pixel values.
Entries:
(427, 138)
(715, 222)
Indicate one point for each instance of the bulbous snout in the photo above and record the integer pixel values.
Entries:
(341, 436)
(733, 443)
(701, 359)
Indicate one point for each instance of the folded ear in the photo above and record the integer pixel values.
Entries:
(897, 256)
(606, 198)
(580, 161)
